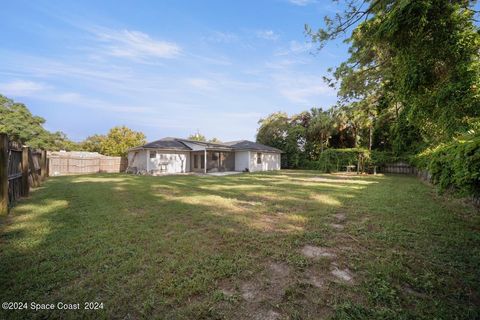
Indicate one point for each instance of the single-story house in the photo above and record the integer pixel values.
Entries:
(174, 155)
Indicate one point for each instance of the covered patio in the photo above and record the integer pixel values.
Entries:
(212, 161)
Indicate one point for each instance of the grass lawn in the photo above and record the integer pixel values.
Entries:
(284, 245)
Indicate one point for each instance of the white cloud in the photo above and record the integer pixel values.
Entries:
(200, 83)
(294, 47)
(21, 88)
(136, 45)
(222, 37)
(301, 2)
(302, 88)
(267, 34)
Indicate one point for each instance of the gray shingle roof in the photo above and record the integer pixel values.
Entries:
(250, 145)
(177, 144)
(208, 145)
(167, 143)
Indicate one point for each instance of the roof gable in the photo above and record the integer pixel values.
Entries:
(189, 145)
(250, 145)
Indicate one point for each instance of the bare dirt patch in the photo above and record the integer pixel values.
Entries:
(267, 315)
(337, 226)
(250, 291)
(343, 275)
(315, 278)
(340, 217)
(260, 294)
(317, 252)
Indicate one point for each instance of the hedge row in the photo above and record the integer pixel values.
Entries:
(332, 160)
(454, 165)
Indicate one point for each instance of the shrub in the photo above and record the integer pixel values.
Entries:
(381, 158)
(337, 159)
(455, 164)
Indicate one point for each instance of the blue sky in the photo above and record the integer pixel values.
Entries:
(166, 68)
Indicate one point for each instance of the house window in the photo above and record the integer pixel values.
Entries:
(153, 154)
(215, 156)
(195, 161)
(259, 158)
(202, 163)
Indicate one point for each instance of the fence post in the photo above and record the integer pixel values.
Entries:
(3, 174)
(33, 173)
(43, 165)
(358, 164)
(25, 167)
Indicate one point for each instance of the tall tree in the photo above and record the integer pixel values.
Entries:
(120, 139)
(197, 137)
(420, 54)
(21, 125)
(214, 140)
(93, 143)
(321, 127)
(287, 134)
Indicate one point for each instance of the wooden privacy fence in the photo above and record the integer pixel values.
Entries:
(398, 167)
(68, 163)
(20, 169)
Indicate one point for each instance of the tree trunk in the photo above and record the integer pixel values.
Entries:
(370, 139)
(321, 143)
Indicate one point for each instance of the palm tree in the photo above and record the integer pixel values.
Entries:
(321, 126)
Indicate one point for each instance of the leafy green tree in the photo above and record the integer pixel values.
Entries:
(215, 140)
(419, 55)
(119, 140)
(287, 134)
(197, 137)
(321, 127)
(93, 143)
(22, 126)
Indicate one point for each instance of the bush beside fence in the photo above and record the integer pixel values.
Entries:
(454, 165)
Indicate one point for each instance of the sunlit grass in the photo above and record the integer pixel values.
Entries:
(163, 247)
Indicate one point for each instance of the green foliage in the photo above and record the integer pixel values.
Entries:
(20, 125)
(214, 140)
(197, 137)
(332, 160)
(415, 59)
(380, 158)
(280, 131)
(455, 164)
(92, 143)
(119, 140)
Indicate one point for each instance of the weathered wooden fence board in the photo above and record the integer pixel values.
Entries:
(69, 163)
(398, 167)
(20, 168)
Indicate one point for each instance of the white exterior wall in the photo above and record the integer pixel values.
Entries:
(270, 161)
(138, 159)
(176, 161)
(242, 160)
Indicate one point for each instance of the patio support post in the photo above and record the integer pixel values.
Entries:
(148, 161)
(205, 160)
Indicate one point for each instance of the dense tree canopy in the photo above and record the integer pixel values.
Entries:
(418, 58)
(93, 143)
(200, 137)
(197, 137)
(22, 126)
(119, 140)
(409, 90)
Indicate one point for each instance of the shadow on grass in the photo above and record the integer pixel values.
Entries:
(150, 246)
